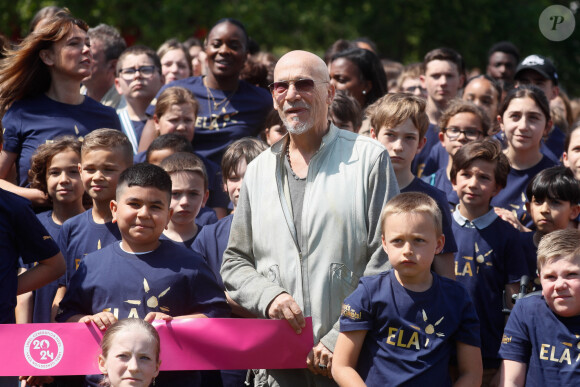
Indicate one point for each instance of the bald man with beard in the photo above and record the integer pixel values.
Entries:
(307, 223)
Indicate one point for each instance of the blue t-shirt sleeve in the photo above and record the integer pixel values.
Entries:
(11, 124)
(34, 242)
(356, 311)
(516, 344)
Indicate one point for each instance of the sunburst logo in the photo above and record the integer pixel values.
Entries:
(153, 301)
(430, 328)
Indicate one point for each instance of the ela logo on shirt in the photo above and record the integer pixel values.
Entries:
(397, 336)
(559, 353)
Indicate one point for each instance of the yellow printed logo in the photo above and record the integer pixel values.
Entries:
(348, 312)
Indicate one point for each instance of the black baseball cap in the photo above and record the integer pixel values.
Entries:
(539, 64)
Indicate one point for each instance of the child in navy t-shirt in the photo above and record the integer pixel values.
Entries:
(54, 171)
(554, 195)
(399, 122)
(525, 120)
(170, 143)
(489, 260)
(189, 194)
(105, 153)
(141, 276)
(540, 341)
(401, 326)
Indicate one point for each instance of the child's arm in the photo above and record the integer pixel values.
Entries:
(346, 352)
(469, 364)
(512, 373)
(45, 272)
(24, 305)
(61, 291)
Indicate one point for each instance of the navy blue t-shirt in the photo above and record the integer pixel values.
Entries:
(242, 116)
(21, 235)
(171, 280)
(31, 122)
(549, 344)
(440, 181)
(513, 196)
(432, 136)
(81, 235)
(487, 259)
(211, 243)
(411, 335)
(418, 185)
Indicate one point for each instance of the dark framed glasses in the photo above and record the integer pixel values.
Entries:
(470, 134)
(302, 85)
(129, 72)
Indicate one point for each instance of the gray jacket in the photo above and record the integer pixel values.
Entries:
(349, 181)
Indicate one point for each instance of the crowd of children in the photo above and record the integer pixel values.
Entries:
(485, 207)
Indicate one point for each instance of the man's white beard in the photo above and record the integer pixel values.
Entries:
(295, 126)
(298, 128)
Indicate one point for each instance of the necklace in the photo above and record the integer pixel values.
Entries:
(225, 100)
(290, 163)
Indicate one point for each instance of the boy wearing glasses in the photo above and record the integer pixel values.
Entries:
(461, 123)
(138, 79)
(489, 261)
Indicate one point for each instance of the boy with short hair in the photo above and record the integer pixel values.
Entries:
(105, 153)
(189, 194)
(539, 345)
(399, 122)
(171, 143)
(443, 74)
(408, 316)
(138, 80)
(142, 276)
(489, 260)
(553, 205)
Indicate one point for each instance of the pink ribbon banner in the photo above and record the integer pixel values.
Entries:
(186, 344)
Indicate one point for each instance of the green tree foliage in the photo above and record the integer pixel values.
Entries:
(404, 30)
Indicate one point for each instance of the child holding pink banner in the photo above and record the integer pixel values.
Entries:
(141, 276)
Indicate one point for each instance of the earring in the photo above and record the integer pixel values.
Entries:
(364, 92)
(153, 381)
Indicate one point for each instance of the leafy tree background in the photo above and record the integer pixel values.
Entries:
(404, 30)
